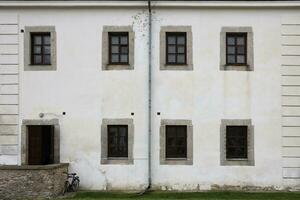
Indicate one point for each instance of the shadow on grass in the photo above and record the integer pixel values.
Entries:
(191, 195)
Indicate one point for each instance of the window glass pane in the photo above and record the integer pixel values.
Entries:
(181, 49)
(230, 59)
(171, 39)
(124, 58)
(47, 49)
(37, 50)
(37, 59)
(115, 49)
(241, 41)
(114, 39)
(230, 40)
(124, 40)
(240, 59)
(47, 39)
(37, 39)
(124, 49)
(47, 59)
(236, 142)
(171, 49)
(230, 50)
(181, 58)
(241, 50)
(171, 58)
(114, 58)
(180, 40)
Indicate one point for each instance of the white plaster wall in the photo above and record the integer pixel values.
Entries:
(205, 95)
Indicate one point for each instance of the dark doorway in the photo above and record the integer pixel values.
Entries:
(40, 144)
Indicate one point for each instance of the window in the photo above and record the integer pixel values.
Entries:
(237, 142)
(117, 141)
(118, 51)
(176, 48)
(117, 48)
(176, 142)
(40, 48)
(236, 48)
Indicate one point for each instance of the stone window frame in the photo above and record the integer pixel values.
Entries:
(24, 137)
(105, 47)
(250, 50)
(189, 48)
(189, 141)
(119, 161)
(250, 161)
(27, 48)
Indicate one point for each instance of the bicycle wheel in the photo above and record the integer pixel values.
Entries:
(66, 187)
(75, 185)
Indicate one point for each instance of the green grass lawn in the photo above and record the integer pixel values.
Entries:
(189, 196)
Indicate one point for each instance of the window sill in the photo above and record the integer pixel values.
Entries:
(116, 161)
(183, 67)
(228, 67)
(176, 161)
(237, 162)
(118, 67)
(32, 67)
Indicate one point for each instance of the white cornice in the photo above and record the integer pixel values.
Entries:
(155, 4)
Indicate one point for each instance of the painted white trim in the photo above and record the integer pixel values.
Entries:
(155, 4)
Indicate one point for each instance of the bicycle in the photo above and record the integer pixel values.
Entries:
(73, 185)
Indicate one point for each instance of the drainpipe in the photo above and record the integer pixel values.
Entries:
(149, 93)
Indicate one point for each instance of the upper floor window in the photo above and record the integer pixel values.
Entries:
(176, 48)
(236, 48)
(117, 141)
(41, 48)
(118, 48)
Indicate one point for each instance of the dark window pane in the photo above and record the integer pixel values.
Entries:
(37, 39)
(181, 40)
(171, 49)
(230, 40)
(114, 40)
(37, 59)
(241, 50)
(124, 58)
(115, 58)
(124, 50)
(236, 142)
(47, 50)
(171, 39)
(37, 50)
(181, 59)
(231, 50)
(240, 59)
(171, 58)
(117, 140)
(230, 59)
(47, 59)
(115, 49)
(47, 40)
(181, 49)
(241, 41)
(176, 146)
(124, 40)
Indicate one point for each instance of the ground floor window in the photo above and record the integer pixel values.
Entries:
(237, 142)
(117, 141)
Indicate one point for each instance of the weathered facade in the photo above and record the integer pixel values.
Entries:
(82, 93)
